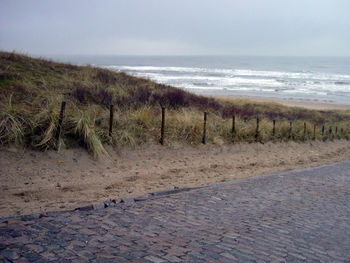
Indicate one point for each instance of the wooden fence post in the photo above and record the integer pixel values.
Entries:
(304, 131)
(273, 128)
(330, 135)
(233, 132)
(290, 130)
(111, 118)
(204, 139)
(257, 129)
(59, 126)
(336, 132)
(322, 130)
(314, 132)
(162, 127)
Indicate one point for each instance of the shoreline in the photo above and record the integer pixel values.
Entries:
(308, 104)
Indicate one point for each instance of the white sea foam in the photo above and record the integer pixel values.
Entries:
(281, 83)
(235, 72)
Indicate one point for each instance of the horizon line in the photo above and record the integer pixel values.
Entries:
(171, 55)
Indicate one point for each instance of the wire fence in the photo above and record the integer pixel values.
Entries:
(245, 128)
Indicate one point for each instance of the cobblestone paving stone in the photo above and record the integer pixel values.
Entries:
(297, 216)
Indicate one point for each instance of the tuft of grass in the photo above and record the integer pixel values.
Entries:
(45, 115)
(85, 129)
(184, 125)
(12, 123)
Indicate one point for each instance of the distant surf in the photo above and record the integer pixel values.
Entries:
(325, 79)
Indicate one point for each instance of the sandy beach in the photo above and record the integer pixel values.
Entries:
(307, 103)
(33, 181)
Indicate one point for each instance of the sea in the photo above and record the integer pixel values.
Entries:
(317, 79)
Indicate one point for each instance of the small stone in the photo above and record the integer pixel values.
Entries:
(35, 248)
(154, 259)
(141, 198)
(85, 208)
(32, 257)
(87, 255)
(99, 206)
(228, 255)
(128, 201)
(109, 204)
(10, 255)
(172, 259)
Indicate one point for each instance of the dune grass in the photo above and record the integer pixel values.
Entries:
(32, 90)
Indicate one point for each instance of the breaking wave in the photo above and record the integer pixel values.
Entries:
(299, 85)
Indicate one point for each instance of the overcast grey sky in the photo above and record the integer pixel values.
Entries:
(176, 27)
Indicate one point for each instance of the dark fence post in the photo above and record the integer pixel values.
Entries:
(257, 129)
(336, 132)
(60, 121)
(233, 132)
(162, 127)
(304, 131)
(290, 130)
(322, 130)
(330, 133)
(314, 132)
(204, 139)
(273, 128)
(111, 118)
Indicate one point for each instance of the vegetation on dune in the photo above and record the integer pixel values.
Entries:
(32, 91)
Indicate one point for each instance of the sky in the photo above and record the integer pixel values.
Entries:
(176, 27)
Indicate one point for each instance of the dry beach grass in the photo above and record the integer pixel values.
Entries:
(32, 91)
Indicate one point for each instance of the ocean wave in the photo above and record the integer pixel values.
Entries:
(281, 83)
(236, 72)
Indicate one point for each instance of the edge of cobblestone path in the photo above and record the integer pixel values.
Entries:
(282, 173)
(127, 202)
(123, 203)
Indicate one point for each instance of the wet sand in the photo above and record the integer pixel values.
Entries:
(307, 103)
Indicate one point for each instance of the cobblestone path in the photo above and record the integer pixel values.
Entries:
(294, 216)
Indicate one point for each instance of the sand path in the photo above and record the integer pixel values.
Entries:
(34, 181)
